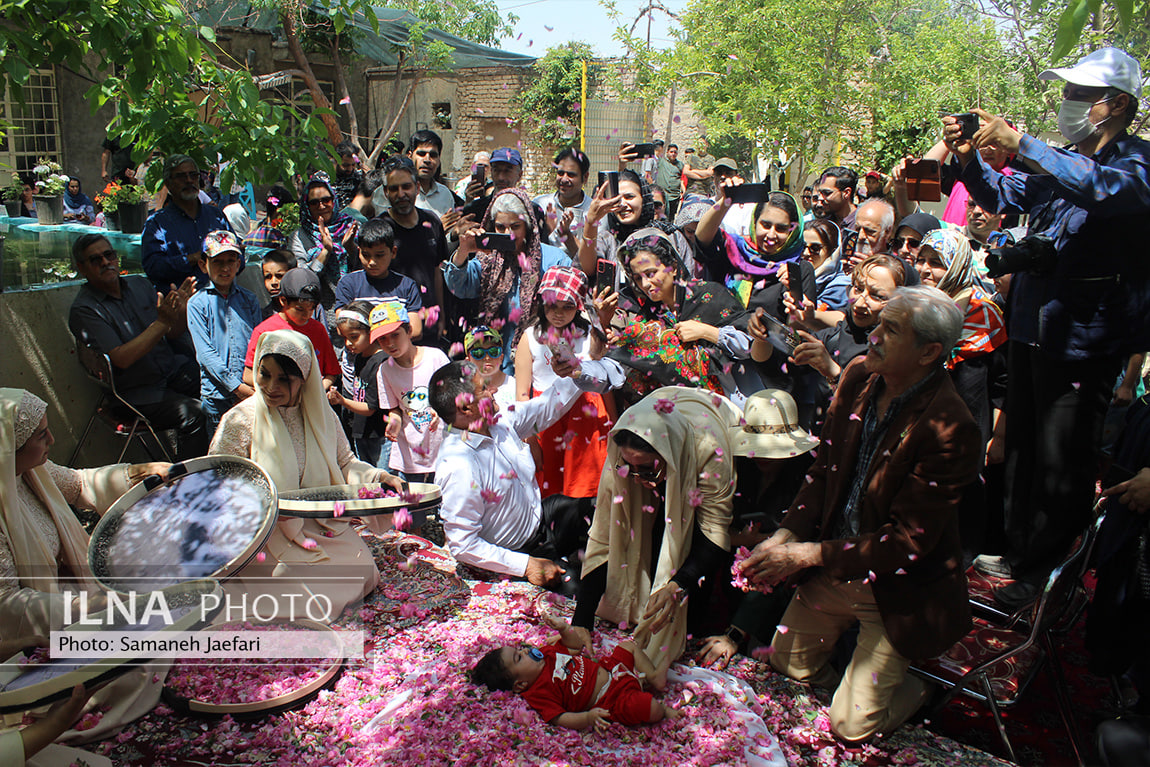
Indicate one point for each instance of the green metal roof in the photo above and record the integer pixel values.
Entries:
(381, 47)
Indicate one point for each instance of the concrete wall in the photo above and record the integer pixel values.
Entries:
(37, 353)
(81, 131)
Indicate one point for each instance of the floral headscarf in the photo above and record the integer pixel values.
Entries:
(501, 269)
(953, 249)
(336, 265)
(749, 266)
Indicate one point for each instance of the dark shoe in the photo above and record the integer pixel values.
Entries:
(1015, 596)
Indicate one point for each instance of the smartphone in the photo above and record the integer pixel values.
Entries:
(606, 273)
(781, 336)
(752, 193)
(795, 283)
(611, 179)
(923, 180)
(479, 173)
(563, 350)
(850, 242)
(969, 123)
(503, 243)
(643, 150)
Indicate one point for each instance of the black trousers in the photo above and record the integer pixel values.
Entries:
(1054, 415)
(562, 532)
(180, 410)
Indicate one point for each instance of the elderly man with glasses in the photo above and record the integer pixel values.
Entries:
(140, 331)
(172, 246)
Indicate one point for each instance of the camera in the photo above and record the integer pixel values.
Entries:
(1033, 254)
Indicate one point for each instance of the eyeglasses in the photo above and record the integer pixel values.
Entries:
(99, 258)
(478, 352)
(320, 202)
(814, 248)
(898, 242)
(641, 473)
(187, 175)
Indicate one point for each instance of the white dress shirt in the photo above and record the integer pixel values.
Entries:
(490, 500)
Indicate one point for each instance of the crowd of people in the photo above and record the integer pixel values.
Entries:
(616, 388)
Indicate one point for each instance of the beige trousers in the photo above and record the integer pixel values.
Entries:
(875, 695)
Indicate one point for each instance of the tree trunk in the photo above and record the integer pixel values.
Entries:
(334, 133)
(345, 97)
(397, 110)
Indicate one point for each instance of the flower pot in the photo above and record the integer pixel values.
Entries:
(49, 209)
(13, 208)
(132, 217)
(112, 220)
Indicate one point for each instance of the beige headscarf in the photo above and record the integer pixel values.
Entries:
(690, 429)
(272, 444)
(35, 564)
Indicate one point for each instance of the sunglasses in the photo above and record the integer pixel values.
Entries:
(319, 202)
(641, 473)
(898, 242)
(479, 352)
(814, 248)
(99, 258)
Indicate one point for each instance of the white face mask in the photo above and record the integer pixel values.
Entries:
(1074, 120)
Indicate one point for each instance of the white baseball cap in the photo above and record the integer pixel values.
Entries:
(1105, 68)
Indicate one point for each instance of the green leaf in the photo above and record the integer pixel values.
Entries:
(1070, 26)
(208, 34)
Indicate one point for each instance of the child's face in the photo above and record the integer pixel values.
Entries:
(397, 343)
(222, 270)
(487, 359)
(357, 340)
(273, 273)
(559, 313)
(376, 259)
(298, 310)
(523, 668)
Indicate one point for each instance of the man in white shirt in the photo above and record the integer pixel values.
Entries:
(493, 517)
(567, 206)
(425, 150)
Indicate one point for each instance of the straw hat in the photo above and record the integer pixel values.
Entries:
(770, 427)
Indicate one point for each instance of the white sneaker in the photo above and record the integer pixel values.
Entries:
(993, 565)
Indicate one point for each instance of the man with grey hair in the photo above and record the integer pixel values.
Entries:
(874, 220)
(172, 246)
(873, 535)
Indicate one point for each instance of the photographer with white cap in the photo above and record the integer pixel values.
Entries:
(1081, 282)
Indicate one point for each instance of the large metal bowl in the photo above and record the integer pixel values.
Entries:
(320, 502)
(208, 520)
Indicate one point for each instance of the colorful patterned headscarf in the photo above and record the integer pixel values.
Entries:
(953, 250)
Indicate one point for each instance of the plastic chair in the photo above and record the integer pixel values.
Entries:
(114, 410)
(996, 664)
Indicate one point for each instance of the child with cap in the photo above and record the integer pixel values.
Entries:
(411, 423)
(574, 447)
(484, 347)
(376, 280)
(221, 318)
(570, 689)
(360, 395)
(299, 296)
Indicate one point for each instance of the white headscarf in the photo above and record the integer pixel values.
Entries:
(20, 414)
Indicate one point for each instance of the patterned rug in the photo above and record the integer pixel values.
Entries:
(410, 703)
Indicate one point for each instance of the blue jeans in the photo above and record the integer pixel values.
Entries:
(373, 450)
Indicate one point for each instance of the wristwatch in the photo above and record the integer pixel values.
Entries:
(736, 635)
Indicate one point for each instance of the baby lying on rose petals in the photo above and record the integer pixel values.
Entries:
(572, 690)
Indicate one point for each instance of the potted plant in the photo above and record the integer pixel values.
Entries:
(126, 204)
(50, 185)
(12, 192)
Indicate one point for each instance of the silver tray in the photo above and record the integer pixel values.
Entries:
(320, 502)
(208, 520)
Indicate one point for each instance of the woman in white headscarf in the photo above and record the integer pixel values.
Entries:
(43, 547)
(290, 430)
(662, 517)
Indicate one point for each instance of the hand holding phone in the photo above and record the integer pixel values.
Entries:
(502, 243)
(643, 150)
(968, 121)
(606, 273)
(781, 336)
(747, 193)
(795, 282)
(923, 180)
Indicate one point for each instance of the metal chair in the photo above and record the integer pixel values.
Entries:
(995, 664)
(124, 419)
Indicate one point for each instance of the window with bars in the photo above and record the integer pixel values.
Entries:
(33, 128)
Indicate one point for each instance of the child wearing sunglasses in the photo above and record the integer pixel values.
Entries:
(484, 347)
(572, 450)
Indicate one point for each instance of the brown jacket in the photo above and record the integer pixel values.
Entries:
(908, 510)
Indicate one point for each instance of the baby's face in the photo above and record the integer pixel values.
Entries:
(523, 668)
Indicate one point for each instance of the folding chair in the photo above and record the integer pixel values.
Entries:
(996, 664)
(114, 410)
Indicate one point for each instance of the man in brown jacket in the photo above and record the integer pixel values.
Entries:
(873, 534)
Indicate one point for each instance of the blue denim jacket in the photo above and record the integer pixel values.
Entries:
(1097, 211)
